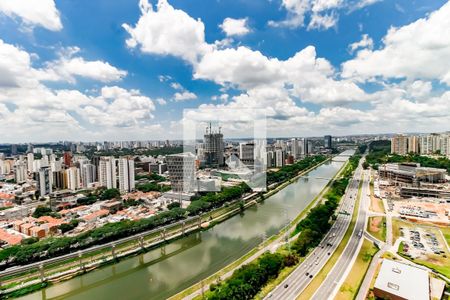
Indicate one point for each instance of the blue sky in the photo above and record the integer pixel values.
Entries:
(71, 75)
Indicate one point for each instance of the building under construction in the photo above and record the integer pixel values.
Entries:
(410, 174)
(213, 148)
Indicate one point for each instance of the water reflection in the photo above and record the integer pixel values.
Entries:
(165, 271)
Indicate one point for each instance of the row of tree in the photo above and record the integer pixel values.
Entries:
(248, 280)
(289, 171)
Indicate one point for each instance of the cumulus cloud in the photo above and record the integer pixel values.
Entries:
(184, 96)
(31, 109)
(235, 27)
(365, 42)
(420, 50)
(33, 12)
(68, 66)
(167, 31)
(323, 22)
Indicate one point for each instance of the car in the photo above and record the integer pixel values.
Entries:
(286, 285)
(317, 262)
(329, 253)
(307, 274)
(310, 276)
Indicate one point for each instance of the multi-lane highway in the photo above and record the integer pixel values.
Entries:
(329, 286)
(299, 279)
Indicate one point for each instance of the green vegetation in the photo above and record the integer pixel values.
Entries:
(352, 283)
(151, 176)
(289, 171)
(65, 227)
(44, 211)
(152, 187)
(246, 281)
(173, 205)
(249, 279)
(109, 194)
(213, 200)
(376, 226)
(380, 153)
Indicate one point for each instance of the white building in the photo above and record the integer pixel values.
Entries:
(20, 172)
(107, 172)
(44, 181)
(126, 174)
(30, 160)
(73, 178)
(88, 172)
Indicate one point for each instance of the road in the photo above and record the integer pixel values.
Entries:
(299, 279)
(332, 282)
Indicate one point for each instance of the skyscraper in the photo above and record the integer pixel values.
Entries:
(73, 178)
(107, 172)
(181, 169)
(213, 148)
(88, 174)
(126, 174)
(68, 159)
(43, 181)
(327, 141)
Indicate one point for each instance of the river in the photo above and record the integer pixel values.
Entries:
(165, 271)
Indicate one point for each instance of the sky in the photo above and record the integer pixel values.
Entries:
(135, 70)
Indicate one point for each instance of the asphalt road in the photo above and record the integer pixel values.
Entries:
(331, 283)
(299, 279)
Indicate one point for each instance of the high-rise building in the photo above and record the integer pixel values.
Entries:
(43, 181)
(213, 148)
(181, 169)
(295, 148)
(399, 144)
(327, 141)
(280, 158)
(126, 174)
(88, 174)
(68, 159)
(30, 160)
(13, 149)
(247, 153)
(73, 178)
(413, 144)
(20, 172)
(107, 172)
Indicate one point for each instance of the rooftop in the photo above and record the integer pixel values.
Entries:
(403, 280)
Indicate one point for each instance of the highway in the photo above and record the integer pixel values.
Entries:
(299, 279)
(332, 282)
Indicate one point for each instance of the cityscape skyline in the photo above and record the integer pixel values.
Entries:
(337, 68)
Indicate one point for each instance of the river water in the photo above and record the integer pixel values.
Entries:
(165, 271)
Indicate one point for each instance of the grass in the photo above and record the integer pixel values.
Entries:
(446, 232)
(352, 283)
(284, 273)
(317, 281)
(380, 231)
(435, 262)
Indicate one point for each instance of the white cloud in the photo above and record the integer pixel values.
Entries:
(235, 27)
(420, 50)
(161, 101)
(67, 67)
(29, 109)
(33, 12)
(176, 86)
(296, 10)
(365, 42)
(167, 31)
(183, 96)
(322, 22)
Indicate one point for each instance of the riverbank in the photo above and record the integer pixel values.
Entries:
(202, 286)
(86, 263)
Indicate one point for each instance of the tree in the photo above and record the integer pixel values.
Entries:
(42, 211)
(173, 205)
(110, 194)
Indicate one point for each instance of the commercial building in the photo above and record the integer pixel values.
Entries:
(327, 142)
(400, 281)
(411, 173)
(408, 192)
(181, 169)
(247, 153)
(213, 148)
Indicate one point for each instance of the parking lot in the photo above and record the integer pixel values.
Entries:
(419, 242)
